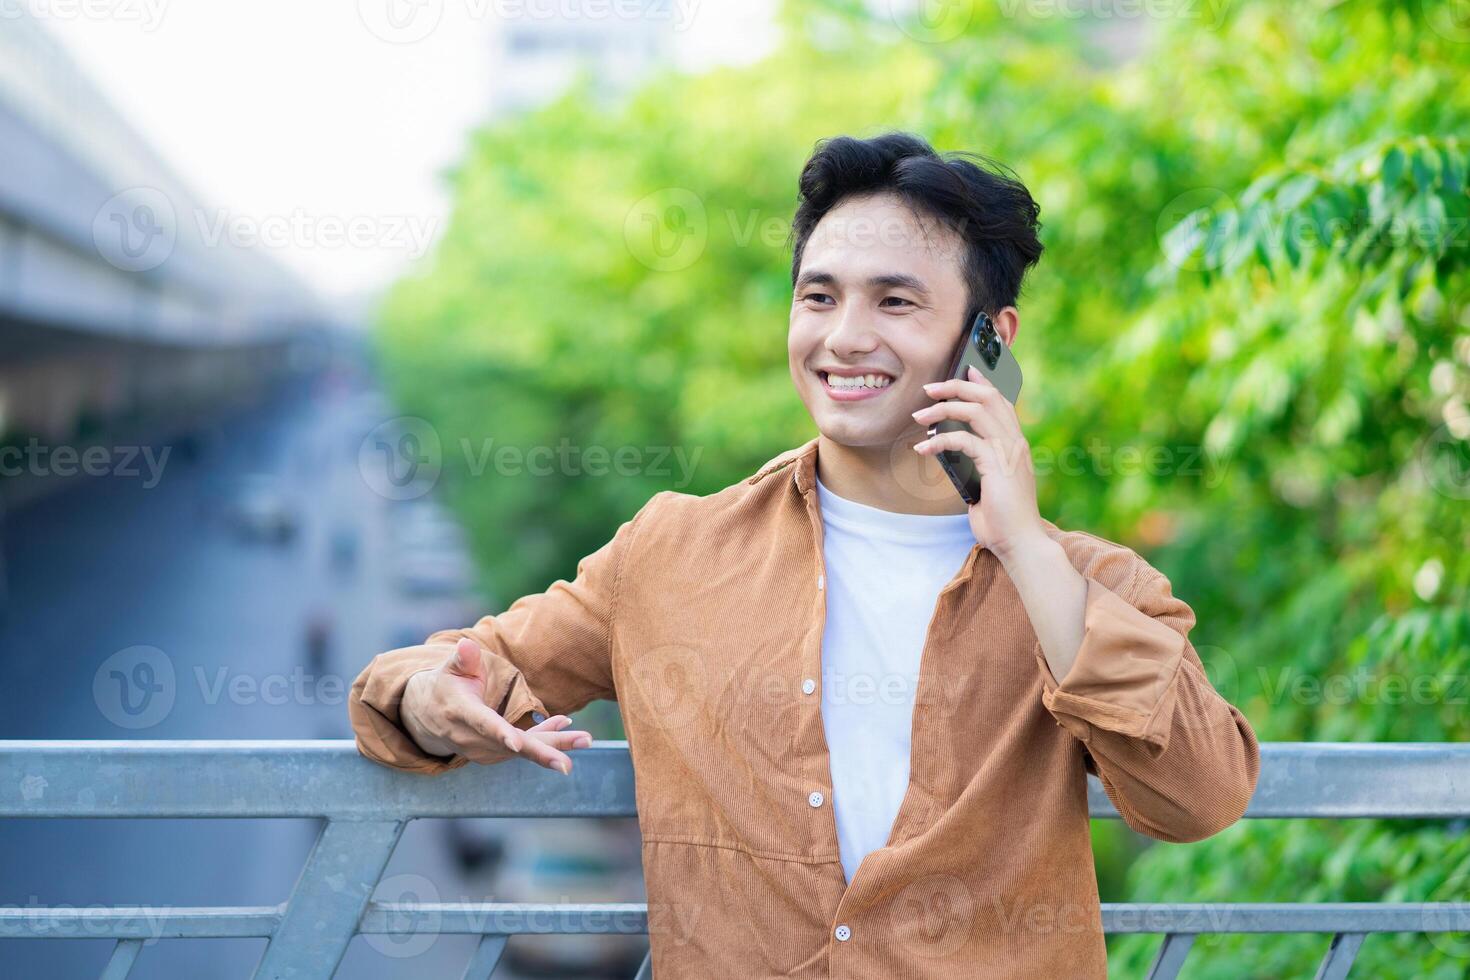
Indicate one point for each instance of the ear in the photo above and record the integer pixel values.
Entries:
(1007, 322)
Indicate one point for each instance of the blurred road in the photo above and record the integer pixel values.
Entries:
(109, 564)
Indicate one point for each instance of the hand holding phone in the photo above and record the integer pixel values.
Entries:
(982, 349)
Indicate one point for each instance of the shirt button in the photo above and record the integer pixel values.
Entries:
(808, 686)
(815, 799)
(843, 934)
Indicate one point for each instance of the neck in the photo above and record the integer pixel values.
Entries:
(894, 479)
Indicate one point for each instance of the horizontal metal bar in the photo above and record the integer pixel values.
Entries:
(139, 922)
(329, 778)
(504, 918)
(1420, 780)
(490, 918)
(326, 778)
(1281, 917)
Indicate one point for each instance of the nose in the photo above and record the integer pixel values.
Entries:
(852, 332)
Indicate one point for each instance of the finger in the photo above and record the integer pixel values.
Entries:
(980, 450)
(960, 442)
(466, 659)
(566, 741)
(552, 724)
(486, 723)
(536, 749)
(960, 388)
(977, 416)
(985, 394)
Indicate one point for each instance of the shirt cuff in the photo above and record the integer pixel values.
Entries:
(1125, 677)
(378, 723)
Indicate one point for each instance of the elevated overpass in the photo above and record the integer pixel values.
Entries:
(118, 308)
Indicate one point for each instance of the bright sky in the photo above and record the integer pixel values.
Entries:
(297, 114)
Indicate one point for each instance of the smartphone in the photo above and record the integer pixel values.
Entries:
(982, 348)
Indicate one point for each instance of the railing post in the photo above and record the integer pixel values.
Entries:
(120, 963)
(486, 958)
(1340, 956)
(322, 915)
(1171, 956)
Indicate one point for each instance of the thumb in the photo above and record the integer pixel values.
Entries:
(466, 659)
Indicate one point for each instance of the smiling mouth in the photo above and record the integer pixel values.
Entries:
(855, 383)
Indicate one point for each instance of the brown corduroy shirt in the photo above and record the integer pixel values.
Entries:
(703, 618)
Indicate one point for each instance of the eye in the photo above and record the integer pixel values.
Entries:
(817, 296)
(898, 298)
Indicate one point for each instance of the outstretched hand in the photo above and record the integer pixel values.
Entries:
(444, 711)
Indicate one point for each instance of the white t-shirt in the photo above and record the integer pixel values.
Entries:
(884, 575)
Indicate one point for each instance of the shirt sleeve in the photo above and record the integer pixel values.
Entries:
(1178, 761)
(547, 653)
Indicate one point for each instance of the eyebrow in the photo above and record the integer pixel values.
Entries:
(891, 280)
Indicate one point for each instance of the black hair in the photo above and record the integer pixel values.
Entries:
(985, 204)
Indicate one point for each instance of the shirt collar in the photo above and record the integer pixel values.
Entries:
(804, 472)
(802, 461)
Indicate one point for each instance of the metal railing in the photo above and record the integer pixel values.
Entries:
(366, 807)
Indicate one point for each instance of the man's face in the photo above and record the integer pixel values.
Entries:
(879, 292)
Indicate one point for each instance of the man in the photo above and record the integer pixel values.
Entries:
(861, 713)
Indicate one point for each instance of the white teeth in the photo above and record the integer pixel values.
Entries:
(860, 381)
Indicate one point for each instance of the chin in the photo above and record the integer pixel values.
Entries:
(845, 433)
